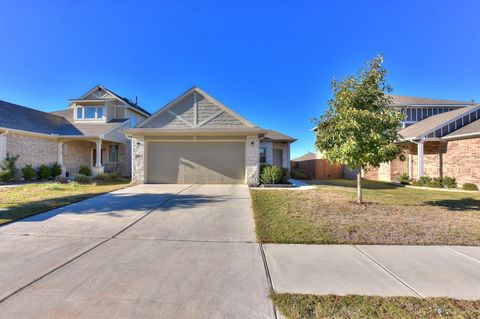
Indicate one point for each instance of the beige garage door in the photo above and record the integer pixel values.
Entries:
(196, 162)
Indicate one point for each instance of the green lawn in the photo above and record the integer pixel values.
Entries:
(391, 215)
(23, 201)
(295, 306)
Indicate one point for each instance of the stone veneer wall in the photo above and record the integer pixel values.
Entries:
(252, 160)
(138, 163)
(31, 150)
(76, 154)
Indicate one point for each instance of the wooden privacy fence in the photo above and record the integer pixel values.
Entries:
(319, 168)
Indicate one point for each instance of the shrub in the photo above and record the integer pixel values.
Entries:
(404, 179)
(85, 170)
(272, 174)
(102, 177)
(299, 173)
(28, 173)
(8, 169)
(56, 170)
(61, 179)
(424, 180)
(449, 182)
(415, 183)
(83, 179)
(44, 172)
(470, 187)
(436, 182)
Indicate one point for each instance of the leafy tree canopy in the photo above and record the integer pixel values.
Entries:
(360, 127)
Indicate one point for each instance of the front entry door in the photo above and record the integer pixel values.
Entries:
(278, 158)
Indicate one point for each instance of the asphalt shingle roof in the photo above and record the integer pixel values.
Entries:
(399, 100)
(472, 128)
(277, 136)
(14, 116)
(305, 157)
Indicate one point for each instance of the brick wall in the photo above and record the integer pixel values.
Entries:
(31, 150)
(76, 154)
(459, 159)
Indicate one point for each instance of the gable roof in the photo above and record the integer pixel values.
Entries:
(119, 97)
(305, 157)
(196, 89)
(18, 117)
(432, 123)
(273, 136)
(468, 130)
(400, 100)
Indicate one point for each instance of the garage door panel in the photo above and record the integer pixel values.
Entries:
(196, 162)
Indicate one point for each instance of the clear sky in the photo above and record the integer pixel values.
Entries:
(271, 61)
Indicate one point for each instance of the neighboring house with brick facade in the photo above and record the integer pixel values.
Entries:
(88, 133)
(197, 139)
(442, 138)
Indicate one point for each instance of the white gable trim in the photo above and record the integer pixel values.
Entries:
(180, 118)
(210, 118)
(207, 96)
(114, 97)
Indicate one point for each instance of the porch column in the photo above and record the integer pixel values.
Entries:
(420, 158)
(60, 157)
(3, 146)
(98, 169)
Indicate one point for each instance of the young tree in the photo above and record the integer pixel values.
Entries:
(359, 129)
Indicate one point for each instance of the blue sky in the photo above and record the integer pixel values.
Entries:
(271, 61)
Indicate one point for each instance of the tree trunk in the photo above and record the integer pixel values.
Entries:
(359, 187)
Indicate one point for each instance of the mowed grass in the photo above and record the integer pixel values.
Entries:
(296, 306)
(391, 215)
(28, 200)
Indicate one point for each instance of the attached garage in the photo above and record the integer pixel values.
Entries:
(195, 162)
(195, 139)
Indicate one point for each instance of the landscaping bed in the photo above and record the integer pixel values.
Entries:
(392, 215)
(295, 306)
(23, 201)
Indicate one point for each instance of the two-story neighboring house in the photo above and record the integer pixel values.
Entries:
(442, 138)
(88, 133)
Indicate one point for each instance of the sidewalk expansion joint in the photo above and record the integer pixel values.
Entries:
(390, 272)
(462, 254)
(269, 277)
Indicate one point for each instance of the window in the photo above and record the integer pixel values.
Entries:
(263, 155)
(113, 154)
(99, 112)
(79, 112)
(90, 112)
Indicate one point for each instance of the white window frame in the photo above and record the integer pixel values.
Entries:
(96, 118)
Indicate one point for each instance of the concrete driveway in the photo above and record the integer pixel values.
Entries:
(156, 251)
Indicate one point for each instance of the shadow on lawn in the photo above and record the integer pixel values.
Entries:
(111, 204)
(366, 184)
(461, 204)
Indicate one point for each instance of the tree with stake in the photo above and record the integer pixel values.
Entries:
(359, 129)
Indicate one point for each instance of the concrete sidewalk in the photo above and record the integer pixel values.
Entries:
(421, 271)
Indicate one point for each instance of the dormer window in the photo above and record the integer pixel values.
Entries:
(90, 113)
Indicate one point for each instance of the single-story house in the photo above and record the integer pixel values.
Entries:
(197, 139)
(88, 133)
(305, 157)
(442, 138)
(193, 139)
